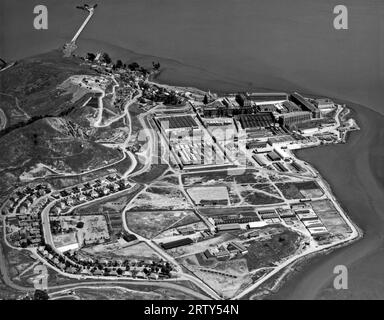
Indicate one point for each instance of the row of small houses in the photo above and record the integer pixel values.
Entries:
(29, 231)
(21, 200)
(87, 192)
(131, 269)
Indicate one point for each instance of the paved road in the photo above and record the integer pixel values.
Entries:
(107, 283)
(4, 269)
(3, 120)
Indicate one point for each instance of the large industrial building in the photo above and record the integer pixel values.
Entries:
(293, 118)
(220, 109)
(324, 105)
(266, 108)
(249, 99)
(289, 106)
(260, 120)
(178, 122)
(305, 105)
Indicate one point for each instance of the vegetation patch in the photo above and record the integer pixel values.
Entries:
(300, 190)
(150, 223)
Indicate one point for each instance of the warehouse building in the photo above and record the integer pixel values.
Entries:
(273, 156)
(176, 243)
(248, 99)
(289, 106)
(293, 118)
(228, 227)
(178, 122)
(324, 105)
(305, 105)
(260, 120)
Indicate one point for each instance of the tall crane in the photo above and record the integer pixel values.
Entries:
(70, 47)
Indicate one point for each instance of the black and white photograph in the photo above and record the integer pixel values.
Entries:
(191, 156)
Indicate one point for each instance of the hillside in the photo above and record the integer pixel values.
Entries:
(29, 89)
(45, 125)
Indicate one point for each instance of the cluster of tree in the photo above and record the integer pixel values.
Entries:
(103, 58)
(90, 56)
(80, 225)
(172, 99)
(133, 66)
(156, 66)
(166, 269)
(119, 64)
(41, 295)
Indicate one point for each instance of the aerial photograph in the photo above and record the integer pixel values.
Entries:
(210, 151)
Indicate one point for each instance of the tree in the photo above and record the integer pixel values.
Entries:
(40, 295)
(144, 71)
(205, 100)
(133, 66)
(106, 58)
(119, 64)
(156, 66)
(91, 56)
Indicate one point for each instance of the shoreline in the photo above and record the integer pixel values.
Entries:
(352, 140)
(319, 269)
(357, 232)
(357, 112)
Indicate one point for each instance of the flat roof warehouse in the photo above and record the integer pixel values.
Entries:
(178, 122)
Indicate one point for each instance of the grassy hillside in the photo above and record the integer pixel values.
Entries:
(46, 125)
(30, 87)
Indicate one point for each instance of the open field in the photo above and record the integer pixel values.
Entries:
(330, 217)
(130, 291)
(122, 250)
(88, 229)
(189, 219)
(300, 190)
(209, 194)
(258, 198)
(270, 251)
(64, 239)
(230, 175)
(155, 172)
(231, 187)
(111, 209)
(155, 198)
(115, 294)
(211, 212)
(168, 180)
(225, 277)
(267, 187)
(150, 223)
